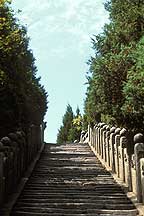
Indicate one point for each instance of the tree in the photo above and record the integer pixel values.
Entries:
(63, 133)
(133, 107)
(71, 126)
(75, 131)
(115, 65)
(23, 99)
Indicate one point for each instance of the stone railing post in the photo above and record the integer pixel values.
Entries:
(88, 133)
(95, 136)
(97, 139)
(142, 177)
(103, 134)
(101, 138)
(105, 144)
(43, 127)
(139, 153)
(116, 148)
(8, 169)
(90, 136)
(82, 137)
(1, 178)
(108, 146)
(123, 160)
(112, 141)
(16, 151)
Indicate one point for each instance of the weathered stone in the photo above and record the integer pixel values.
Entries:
(112, 157)
(6, 141)
(2, 185)
(142, 177)
(69, 180)
(123, 132)
(112, 130)
(117, 131)
(139, 138)
(139, 153)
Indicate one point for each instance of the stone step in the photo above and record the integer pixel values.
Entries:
(43, 196)
(90, 212)
(126, 213)
(75, 200)
(68, 186)
(72, 206)
(69, 180)
(75, 197)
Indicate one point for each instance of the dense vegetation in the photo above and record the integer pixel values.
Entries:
(71, 126)
(23, 100)
(115, 92)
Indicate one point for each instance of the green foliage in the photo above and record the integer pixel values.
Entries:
(23, 99)
(116, 71)
(75, 131)
(63, 133)
(133, 107)
(71, 127)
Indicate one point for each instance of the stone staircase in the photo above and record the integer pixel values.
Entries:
(69, 180)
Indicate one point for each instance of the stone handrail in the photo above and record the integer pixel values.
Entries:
(111, 146)
(17, 151)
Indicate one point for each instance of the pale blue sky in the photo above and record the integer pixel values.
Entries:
(60, 32)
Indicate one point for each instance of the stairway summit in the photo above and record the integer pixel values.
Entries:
(68, 180)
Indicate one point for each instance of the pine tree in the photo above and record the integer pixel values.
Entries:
(114, 71)
(23, 99)
(71, 126)
(63, 133)
(75, 131)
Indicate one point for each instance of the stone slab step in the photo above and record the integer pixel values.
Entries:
(69, 180)
(50, 211)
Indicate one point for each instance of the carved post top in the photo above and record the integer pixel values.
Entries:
(112, 130)
(117, 131)
(101, 124)
(12, 136)
(6, 141)
(82, 132)
(19, 134)
(104, 127)
(123, 132)
(138, 138)
(139, 147)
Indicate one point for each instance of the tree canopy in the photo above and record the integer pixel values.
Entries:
(115, 92)
(23, 99)
(71, 126)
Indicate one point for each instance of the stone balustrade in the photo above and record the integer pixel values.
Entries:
(17, 151)
(111, 146)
